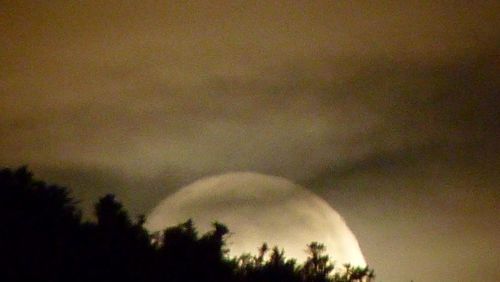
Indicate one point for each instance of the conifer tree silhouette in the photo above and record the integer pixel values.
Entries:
(43, 238)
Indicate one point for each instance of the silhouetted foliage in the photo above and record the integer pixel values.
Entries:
(318, 266)
(43, 238)
(275, 268)
(39, 225)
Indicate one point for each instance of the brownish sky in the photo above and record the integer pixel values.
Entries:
(388, 110)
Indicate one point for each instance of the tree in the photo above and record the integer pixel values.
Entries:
(110, 213)
(317, 267)
(42, 238)
(37, 227)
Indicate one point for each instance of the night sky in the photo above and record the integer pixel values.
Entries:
(389, 111)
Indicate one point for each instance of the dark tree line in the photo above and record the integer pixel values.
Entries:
(43, 238)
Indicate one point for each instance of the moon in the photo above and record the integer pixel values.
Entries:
(260, 208)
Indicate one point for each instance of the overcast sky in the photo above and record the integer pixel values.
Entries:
(388, 110)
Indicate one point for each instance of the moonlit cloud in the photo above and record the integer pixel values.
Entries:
(260, 208)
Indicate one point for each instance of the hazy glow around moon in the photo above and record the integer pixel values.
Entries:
(259, 208)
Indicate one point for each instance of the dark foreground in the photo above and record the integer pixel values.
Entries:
(43, 238)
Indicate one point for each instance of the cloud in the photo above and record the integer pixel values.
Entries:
(270, 120)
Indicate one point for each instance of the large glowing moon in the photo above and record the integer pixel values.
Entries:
(259, 208)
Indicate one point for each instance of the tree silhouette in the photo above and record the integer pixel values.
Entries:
(354, 274)
(43, 238)
(110, 214)
(37, 227)
(317, 267)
